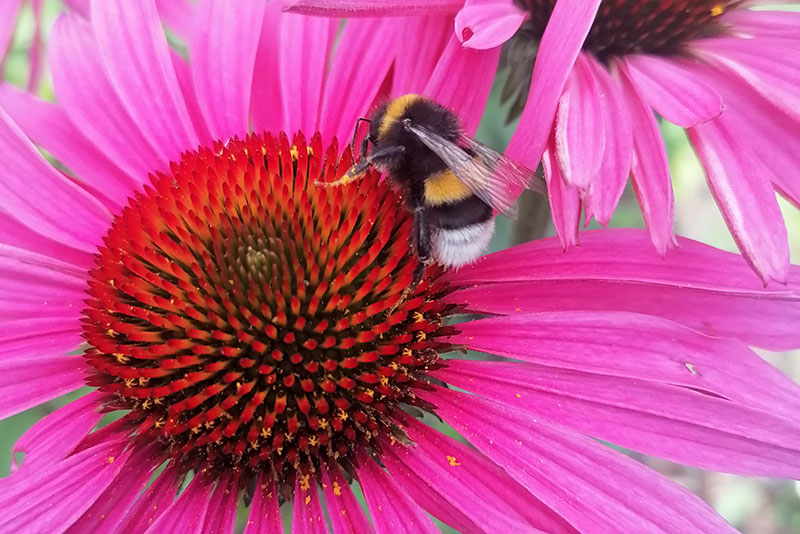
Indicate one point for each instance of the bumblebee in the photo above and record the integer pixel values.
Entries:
(450, 183)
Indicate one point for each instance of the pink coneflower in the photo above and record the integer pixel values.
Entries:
(250, 330)
(728, 74)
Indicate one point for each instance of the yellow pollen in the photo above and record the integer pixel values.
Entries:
(337, 489)
(717, 10)
(111, 332)
(304, 482)
(517, 395)
(343, 415)
(323, 423)
(452, 461)
(121, 358)
(421, 336)
(111, 459)
(418, 317)
(308, 500)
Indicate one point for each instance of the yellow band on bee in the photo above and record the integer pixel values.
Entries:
(444, 188)
(395, 110)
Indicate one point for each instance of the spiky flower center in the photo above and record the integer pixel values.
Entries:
(633, 26)
(246, 318)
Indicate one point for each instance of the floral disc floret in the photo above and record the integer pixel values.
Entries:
(246, 318)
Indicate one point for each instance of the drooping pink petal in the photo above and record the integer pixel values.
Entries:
(579, 135)
(41, 198)
(637, 347)
(351, 86)
(650, 168)
(265, 514)
(49, 127)
(457, 485)
(675, 423)
(184, 75)
(187, 513)
(752, 115)
(608, 184)
(51, 498)
(266, 108)
(391, 508)
(591, 486)
(741, 186)
(559, 47)
(222, 53)
(775, 76)
(764, 23)
(52, 438)
(307, 517)
(345, 513)
(111, 509)
(137, 59)
(221, 516)
(372, 8)
(418, 57)
(177, 15)
(19, 236)
(484, 24)
(305, 44)
(8, 21)
(565, 200)
(35, 51)
(80, 76)
(674, 92)
(153, 503)
(26, 382)
(457, 67)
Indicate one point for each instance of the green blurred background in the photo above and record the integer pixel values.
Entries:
(753, 505)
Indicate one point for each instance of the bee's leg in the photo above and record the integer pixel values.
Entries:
(358, 170)
(363, 152)
(423, 247)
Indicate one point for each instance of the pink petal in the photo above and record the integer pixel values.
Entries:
(153, 503)
(372, 8)
(459, 486)
(222, 52)
(561, 43)
(80, 76)
(184, 75)
(187, 513)
(344, 511)
(392, 511)
(650, 168)
(50, 127)
(41, 198)
(265, 514)
(764, 23)
(221, 517)
(51, 498)
(705, 288)
(741, 186)
(351, 86)
(774, 75)
(457, 67)
(587, 483)
(305, 43)
(80, 6)
(27, 382)
(674, 92)
(53, 438)
(579, 135)
(307, 517)
(608, 184)
(676, 423)
(137, 59)
(18, 236)
(483, 24)
(653, 349)
(565, 200)
(266, 109)
(111, 509)
(418, 57)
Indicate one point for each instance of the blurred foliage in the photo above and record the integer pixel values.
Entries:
(755, 506)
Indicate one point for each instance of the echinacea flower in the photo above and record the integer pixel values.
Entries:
(727, 73)
(251, 331)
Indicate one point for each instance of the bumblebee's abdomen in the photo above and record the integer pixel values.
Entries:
(444, 188)
(462, 230)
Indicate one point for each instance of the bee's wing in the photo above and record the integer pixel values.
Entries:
(489, 175)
